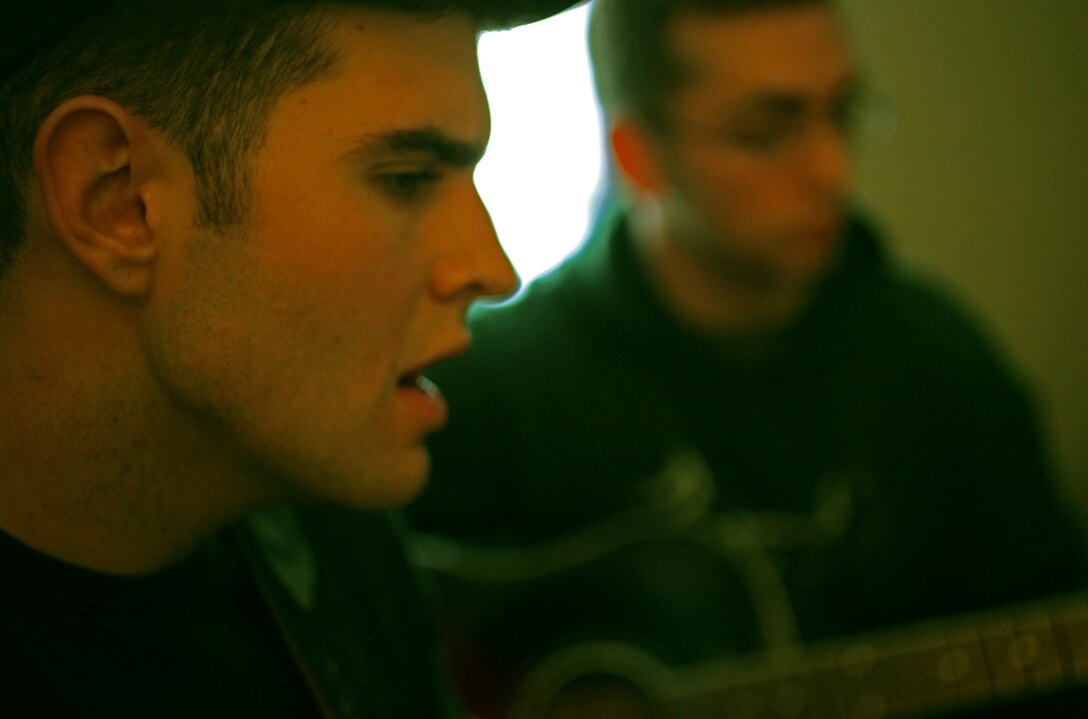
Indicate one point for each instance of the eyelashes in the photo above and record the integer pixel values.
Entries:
(411, 185)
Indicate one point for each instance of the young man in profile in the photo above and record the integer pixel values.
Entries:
(730, 423)
(233, 236)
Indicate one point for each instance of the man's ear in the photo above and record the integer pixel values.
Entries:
(637, 155)
(83, 155)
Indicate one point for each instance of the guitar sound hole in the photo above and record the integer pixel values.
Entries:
(601, 696)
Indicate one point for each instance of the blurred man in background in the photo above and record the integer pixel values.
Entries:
(730, 424)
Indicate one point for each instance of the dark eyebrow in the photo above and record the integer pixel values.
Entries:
(779, 103)
(785, 102)
(425, 140)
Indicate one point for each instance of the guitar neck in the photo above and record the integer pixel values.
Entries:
(944, 665)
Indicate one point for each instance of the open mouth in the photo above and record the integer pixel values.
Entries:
(422, 399)
(419, 398)
(415, 381)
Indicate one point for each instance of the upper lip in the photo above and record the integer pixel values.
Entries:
(435, 358)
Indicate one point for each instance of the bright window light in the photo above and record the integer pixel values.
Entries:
(544, 161)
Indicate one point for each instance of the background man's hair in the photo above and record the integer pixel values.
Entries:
(634, 68)
(206, 73)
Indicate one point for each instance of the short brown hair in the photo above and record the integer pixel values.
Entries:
(635, 70)
(204, 72)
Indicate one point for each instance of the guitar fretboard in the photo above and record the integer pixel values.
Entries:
(913, 671)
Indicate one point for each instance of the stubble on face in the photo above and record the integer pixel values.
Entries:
(760, 220)
(287, 338)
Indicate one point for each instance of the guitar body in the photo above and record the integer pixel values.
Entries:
(680, 609)
(665, 578)
(668, 598)
(664, 624)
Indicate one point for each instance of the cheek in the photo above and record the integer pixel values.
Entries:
(199, 332)
(336, 270)
(743, 197)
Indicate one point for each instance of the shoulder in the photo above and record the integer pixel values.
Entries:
(939, 329)
(353, 606)
(912, 313)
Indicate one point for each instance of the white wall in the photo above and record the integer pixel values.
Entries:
(544, 158)
(986, 180)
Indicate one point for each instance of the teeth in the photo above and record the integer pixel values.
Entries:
(426, 386)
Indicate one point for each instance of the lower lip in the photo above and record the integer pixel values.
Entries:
(429, 406)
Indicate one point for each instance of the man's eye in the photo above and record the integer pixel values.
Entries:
(767, 136)
(846, 114)
(762, 140)
(409, 186)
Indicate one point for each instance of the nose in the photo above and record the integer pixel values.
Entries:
(474, 264)
(831, 166)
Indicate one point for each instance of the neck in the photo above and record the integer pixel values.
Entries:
(712, 295)
(99, 467)
(100, 486)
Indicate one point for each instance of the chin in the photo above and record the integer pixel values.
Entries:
(387, 483)
(806, 266)
(368, 482)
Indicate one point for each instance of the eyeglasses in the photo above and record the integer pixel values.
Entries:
(776, 127)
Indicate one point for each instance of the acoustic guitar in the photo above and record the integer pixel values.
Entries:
(927, 669)
(592, 671)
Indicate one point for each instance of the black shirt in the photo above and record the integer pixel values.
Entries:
(292, 612)
(194, 640)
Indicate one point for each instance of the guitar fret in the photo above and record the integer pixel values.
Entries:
(824, 692)
(1036, 647)
(793, 692)
(924, 674)
(1069, 621)
(1007, 679)
(860, 676)
(940, 665)
(1022, 656)
(964, 666)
